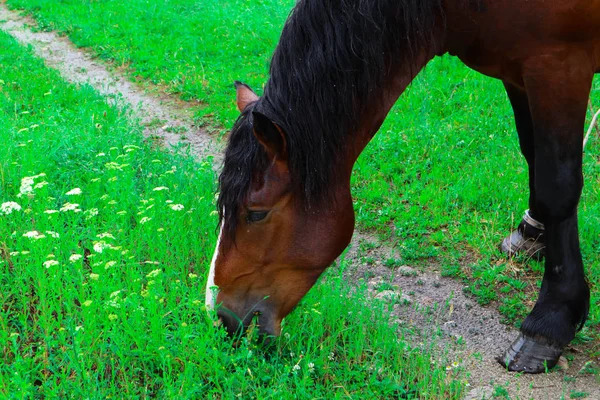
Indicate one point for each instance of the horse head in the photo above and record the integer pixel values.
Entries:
(272, 245)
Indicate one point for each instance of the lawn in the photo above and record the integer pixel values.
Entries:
(457, 183)
(101, 295)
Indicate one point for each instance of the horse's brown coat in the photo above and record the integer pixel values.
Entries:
(546, 53)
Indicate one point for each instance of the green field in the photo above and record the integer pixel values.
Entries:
(101, 295)
(451, 134)
(456, 187)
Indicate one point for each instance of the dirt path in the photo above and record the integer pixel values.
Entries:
(161, 115)
(473, 335)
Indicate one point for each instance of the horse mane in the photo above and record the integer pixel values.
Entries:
(331, 62)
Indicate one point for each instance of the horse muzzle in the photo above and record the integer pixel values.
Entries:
(261, 320)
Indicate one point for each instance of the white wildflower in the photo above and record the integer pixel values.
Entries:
(100, 246)
(74, 192)
(110, 264)
(27, 184)
(176, 207)
(53, 234)
(105, 235)
(50, 263)
(70, 207)
(34, 235)
(50, 211)
(9, 207)
(144, 220)
(94, 277)
(75, 257)
(40, 185)
(160, 188)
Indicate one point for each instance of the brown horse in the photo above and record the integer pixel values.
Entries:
(285, 204)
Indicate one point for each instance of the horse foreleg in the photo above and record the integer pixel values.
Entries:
(558, 90)
(528, 238)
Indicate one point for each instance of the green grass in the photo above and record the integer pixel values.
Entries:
(103, 264)
(195, 49)
(457, 183)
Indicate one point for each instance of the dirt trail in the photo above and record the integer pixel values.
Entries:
(472, 334)
(161, 115)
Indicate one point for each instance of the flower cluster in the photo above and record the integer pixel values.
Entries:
(8, 207)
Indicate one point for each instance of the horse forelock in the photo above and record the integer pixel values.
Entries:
(244, 157)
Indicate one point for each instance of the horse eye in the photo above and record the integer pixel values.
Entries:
(255, 216)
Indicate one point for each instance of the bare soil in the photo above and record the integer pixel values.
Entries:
(472, 335)
(435, 306)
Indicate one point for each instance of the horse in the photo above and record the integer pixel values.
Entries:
(284, 199)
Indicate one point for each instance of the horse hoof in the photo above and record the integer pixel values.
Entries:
(517, 243)
(530, 355)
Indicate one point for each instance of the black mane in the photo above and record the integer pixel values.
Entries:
(330, 64)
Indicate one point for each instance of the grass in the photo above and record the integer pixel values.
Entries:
(194, 49)
(101, 295)
(457, 185)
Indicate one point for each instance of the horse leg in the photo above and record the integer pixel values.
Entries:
(528, 238)
(558, 91)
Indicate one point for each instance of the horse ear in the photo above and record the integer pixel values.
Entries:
(244, 95)
(270, 135)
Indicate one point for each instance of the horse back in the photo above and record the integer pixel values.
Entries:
(498, 38)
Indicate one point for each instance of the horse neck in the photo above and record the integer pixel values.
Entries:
(372, 118)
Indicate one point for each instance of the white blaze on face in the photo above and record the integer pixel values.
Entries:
(211, 289)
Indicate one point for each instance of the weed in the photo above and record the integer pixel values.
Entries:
(578, 395)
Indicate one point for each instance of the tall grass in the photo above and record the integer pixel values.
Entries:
(104, 243)
(443, 181)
